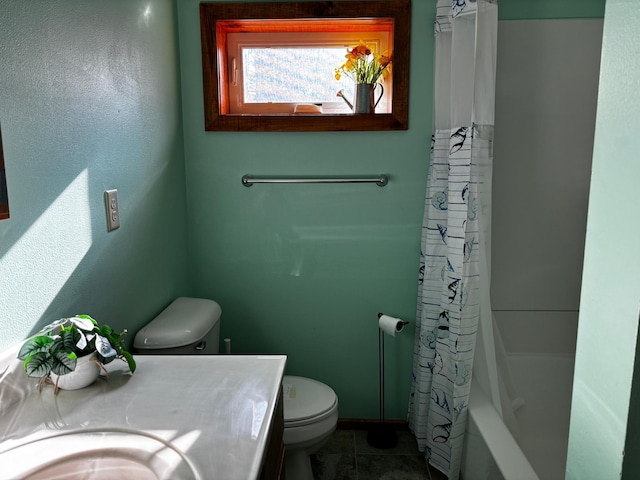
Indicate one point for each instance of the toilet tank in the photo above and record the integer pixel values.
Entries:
(188, 326)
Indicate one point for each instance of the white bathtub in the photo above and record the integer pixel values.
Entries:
(491, 452)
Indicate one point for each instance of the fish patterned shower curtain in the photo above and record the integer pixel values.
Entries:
(456, 228)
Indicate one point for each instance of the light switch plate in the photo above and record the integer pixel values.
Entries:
(111, 206)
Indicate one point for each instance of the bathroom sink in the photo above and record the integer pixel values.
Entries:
(182, 417)
(96, 455)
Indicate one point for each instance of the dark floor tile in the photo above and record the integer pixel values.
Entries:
(336, 460)
(406, 444)
(333, 466)
(392, 467)
(341, 441)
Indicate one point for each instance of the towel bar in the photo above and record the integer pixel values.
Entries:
(380, 180)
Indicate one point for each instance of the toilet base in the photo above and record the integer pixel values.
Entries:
(297, 465)
(297, 460)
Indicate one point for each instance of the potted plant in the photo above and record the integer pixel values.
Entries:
(73, 347)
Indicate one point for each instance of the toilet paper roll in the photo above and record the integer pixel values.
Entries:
(390, 325)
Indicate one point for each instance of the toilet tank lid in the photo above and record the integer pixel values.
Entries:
(305, 398)
(186, 320)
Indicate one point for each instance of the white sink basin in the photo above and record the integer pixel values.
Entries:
(96, 455)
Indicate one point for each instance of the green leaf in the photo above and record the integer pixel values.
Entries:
(38, 365)
(130, 361)
(85, 324)
(63, 362)
(67, 341)
(87, 317)
(105, 360)
(54, 326)
(108, 332)
(34, 345)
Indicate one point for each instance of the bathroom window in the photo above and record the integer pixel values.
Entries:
(270, 66)
(294, 70)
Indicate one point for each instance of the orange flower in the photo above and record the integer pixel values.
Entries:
(363, 65)
(383, 59)
(362, 49)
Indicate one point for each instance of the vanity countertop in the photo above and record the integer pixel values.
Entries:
(216, 409)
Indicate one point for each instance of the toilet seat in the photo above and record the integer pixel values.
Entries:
(306, 401)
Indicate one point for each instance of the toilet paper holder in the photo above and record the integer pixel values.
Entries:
(381, 435)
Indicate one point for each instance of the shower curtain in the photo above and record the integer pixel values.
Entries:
(454, 273)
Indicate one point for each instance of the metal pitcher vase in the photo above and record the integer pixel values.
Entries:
(364, 100)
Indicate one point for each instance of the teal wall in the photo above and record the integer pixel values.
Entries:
(89, 100)
(602, 413)
(305, 269)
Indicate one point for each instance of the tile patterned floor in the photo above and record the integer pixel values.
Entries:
(348, 456)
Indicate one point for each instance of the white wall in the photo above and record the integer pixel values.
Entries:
(547, 80)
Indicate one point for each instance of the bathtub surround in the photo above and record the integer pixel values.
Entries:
(546, 91)
(550, 9)
(453, 296)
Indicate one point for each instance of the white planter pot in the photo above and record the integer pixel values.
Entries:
(84, 375)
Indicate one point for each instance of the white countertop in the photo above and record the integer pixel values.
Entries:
(216, 409)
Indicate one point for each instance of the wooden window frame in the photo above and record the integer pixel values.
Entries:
(218, 18)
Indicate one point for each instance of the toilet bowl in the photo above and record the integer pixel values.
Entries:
(192, 326)
(310, 417)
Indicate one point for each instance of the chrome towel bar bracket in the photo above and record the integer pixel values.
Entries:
(380, 180)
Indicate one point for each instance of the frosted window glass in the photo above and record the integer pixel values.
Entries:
(293, 75)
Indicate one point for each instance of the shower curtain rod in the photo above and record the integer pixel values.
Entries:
(380, 180)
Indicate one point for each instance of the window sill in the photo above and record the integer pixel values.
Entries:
(305, 122)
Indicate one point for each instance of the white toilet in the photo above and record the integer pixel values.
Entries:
(310, 417)
(187, 326)
(192, 326)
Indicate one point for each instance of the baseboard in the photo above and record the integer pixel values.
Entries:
(367, 423)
